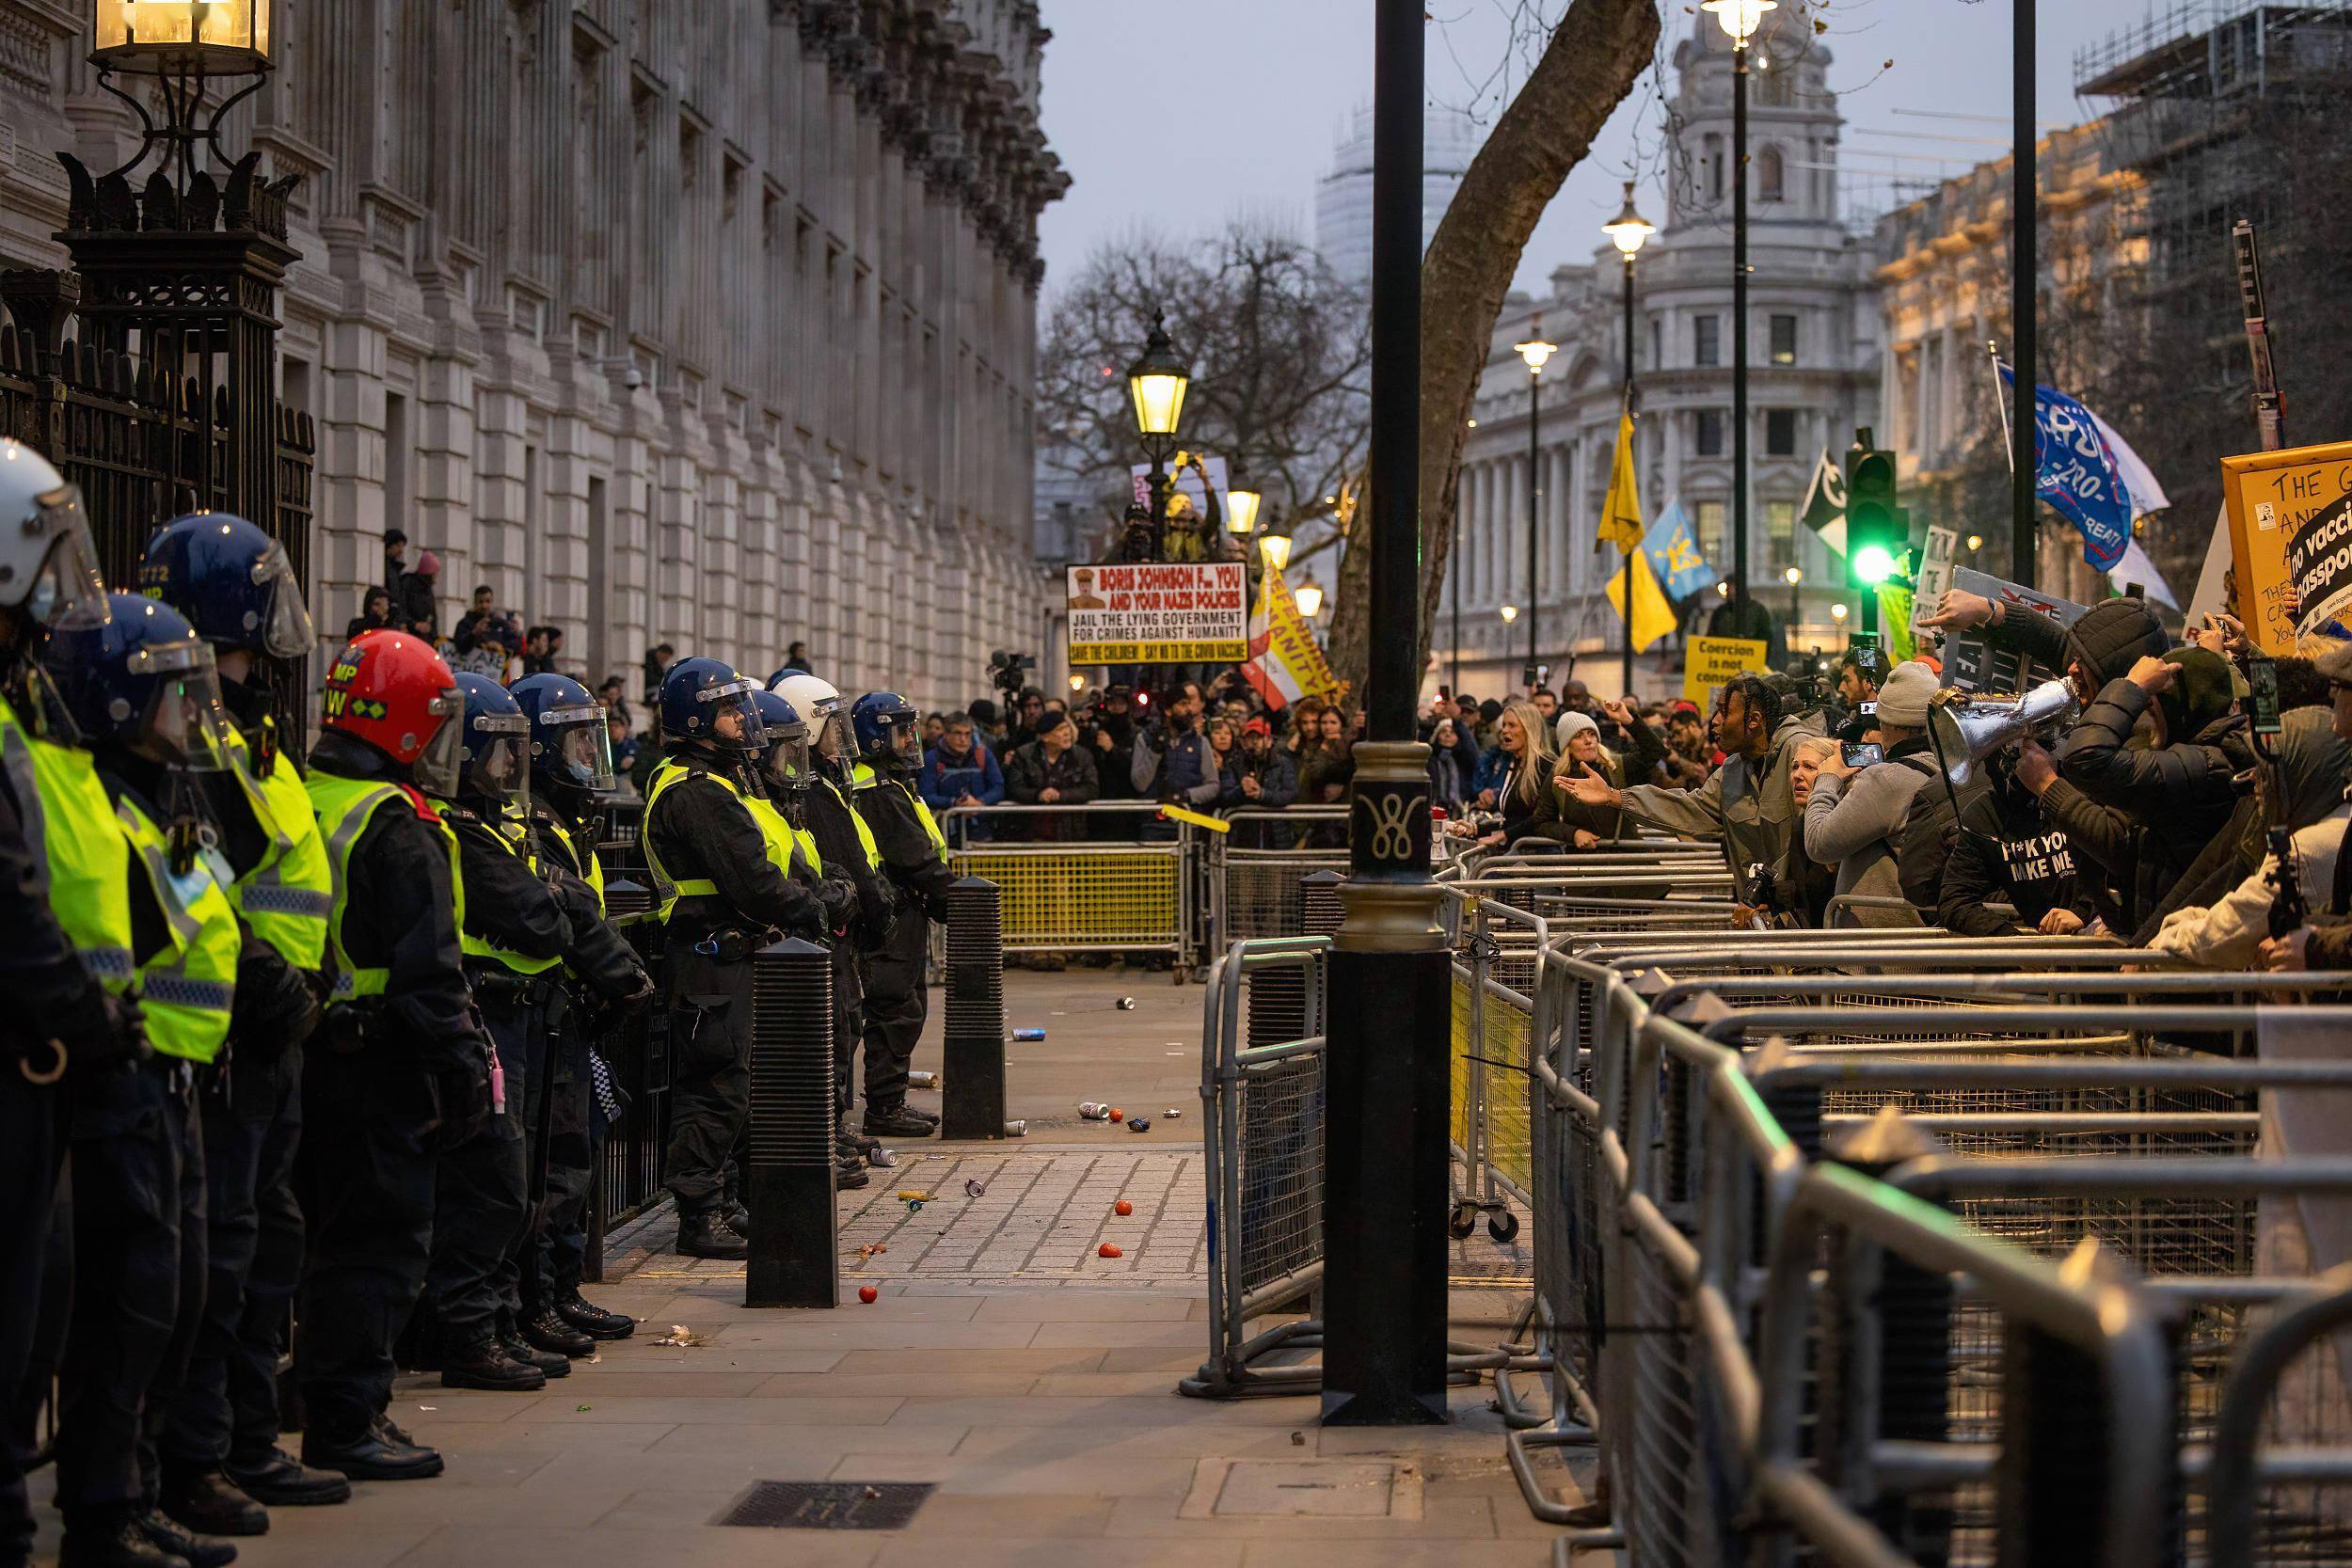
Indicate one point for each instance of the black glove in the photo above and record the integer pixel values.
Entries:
(839, 900)
(275, 1007)
(630, 1002)
(101, 1039)
(462, 1089)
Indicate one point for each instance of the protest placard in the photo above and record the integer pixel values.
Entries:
(1159, 614)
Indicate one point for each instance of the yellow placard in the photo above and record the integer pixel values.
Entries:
(2272, 495)
(1712, 661)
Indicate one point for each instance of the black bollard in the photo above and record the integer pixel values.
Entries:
(788, 1179)
(973, 1029)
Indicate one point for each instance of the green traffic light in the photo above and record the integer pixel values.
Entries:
(1873, 563)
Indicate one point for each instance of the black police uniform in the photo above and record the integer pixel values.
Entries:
(482, 1208)
(45, 995)
(601, 974)
(226, 1409)
(699, 830)
(838, 844)
(895, 990)
(374, 1096)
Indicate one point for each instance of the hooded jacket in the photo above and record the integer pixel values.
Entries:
(2009, 850)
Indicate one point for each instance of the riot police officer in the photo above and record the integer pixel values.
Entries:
(571, 766)
(66, 969)
(402, 1068)
(847, 846)
(721, 898)
(139, 687)
(221, 1457)
(786, 774)
(513, 933)
(890, 752)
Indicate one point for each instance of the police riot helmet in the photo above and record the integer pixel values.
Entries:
(138, 677)
(48, 558)
(889, 730)
(232, 580)
(571, 749)
(706, 703)
(785, 764)
(820, 706)
(393, 691)
(494, 745)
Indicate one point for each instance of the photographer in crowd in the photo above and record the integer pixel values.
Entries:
(1855, 814)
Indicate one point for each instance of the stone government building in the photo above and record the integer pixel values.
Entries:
(707, 322)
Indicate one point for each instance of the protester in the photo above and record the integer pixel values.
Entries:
(418, 591)
(2324, 942)
(1855, 817)
(613, 695)
(960, 770)
(376, 613)
(1051, 771)
(1258, 776)
(1327, 766)
(2009, 850)
(658, 662)
(1448, 786)
(1582, 755)
(483, 636)
(1526, 786)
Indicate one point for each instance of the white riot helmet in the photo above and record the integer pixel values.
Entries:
(819, 707)
(48, 559)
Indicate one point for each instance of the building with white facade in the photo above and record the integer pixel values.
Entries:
(1813, 365)
(1450, 139)
(705, 322)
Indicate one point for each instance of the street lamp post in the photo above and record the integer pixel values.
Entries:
(1740, 18)
(1536, 351)
(1156, 383)
(1627, 231)
(1389, 1088)
(1795, 575)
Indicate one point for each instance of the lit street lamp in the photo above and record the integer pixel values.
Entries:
(1627, 231)
(1740, 18)
(1242, 500)
(1310, 598)
(1536, 352)
(1156, 382)
(1276, 547)
(1838, 613)
(1510, 614)
(1794, 576)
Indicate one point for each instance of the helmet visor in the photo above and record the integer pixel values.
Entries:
(833, 748)
(789, 765)
(286, 629)
(499, 763)
(186, 723)
(577, 749)
(66, 588)
(734, 715)
(439, 763)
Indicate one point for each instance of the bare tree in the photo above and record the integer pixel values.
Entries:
(1278, 348)
(1594, 55)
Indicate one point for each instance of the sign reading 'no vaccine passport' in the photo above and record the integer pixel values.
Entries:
(1159, 614)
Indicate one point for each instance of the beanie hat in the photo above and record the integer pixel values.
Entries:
(1489, 710)
(428, 565)
(2336, 663)
(1573, 724)
(2113, 635)
(2201, 693)
(1904, 698)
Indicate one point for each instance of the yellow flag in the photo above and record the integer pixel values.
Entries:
(1621, 508)
(1653, 617)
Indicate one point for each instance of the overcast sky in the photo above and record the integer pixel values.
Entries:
(1175, 114)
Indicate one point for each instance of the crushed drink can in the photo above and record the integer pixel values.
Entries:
(1028, 1034)
(1126, 1004)
(1095, 1110)
(922, 1080)
(1016, 1130)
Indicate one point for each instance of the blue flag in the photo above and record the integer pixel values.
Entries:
(1674, 554)
(2075, 472)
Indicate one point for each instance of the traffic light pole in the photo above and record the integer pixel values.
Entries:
(1739, 340)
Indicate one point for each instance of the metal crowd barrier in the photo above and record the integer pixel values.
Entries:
(1126, 887)
(1252, 870)
(1262, 1144)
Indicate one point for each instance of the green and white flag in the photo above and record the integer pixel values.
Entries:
(1825, 503)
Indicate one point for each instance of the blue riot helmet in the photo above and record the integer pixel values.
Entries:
(571, 749)
(232, 580)
(785, 764)
(705, 703)
(494, 740)
(140, 678)
(889, 731)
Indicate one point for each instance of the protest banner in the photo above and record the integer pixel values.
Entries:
(1710, 662)
(1971, 662)
(1158, 613)
(2278, 501)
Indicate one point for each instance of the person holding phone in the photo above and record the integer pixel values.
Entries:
(1856, 809)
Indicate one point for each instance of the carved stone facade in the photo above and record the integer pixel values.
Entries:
(705, 322)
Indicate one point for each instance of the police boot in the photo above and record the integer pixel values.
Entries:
(166, 1535)
(382, 1452)
(591, 1320)
(113, 1538)
(519, 1349)
(738, 1214)
(278, 1480)
(477, 1361)
(707, 1234)
(208, 1500)
(897, 1122)
(543, 1330)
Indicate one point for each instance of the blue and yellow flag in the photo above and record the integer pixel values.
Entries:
(1674, 554)
(1652, 617)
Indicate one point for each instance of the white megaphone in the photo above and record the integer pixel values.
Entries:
(1966, 733)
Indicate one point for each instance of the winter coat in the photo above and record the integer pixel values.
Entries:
(2008, 851)
(1745, 805)
(1855, 824)
(945, 778)
(1559, 814)
(2183, 792)
(1029, 773)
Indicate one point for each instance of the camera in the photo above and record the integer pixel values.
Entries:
(1005, 670)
